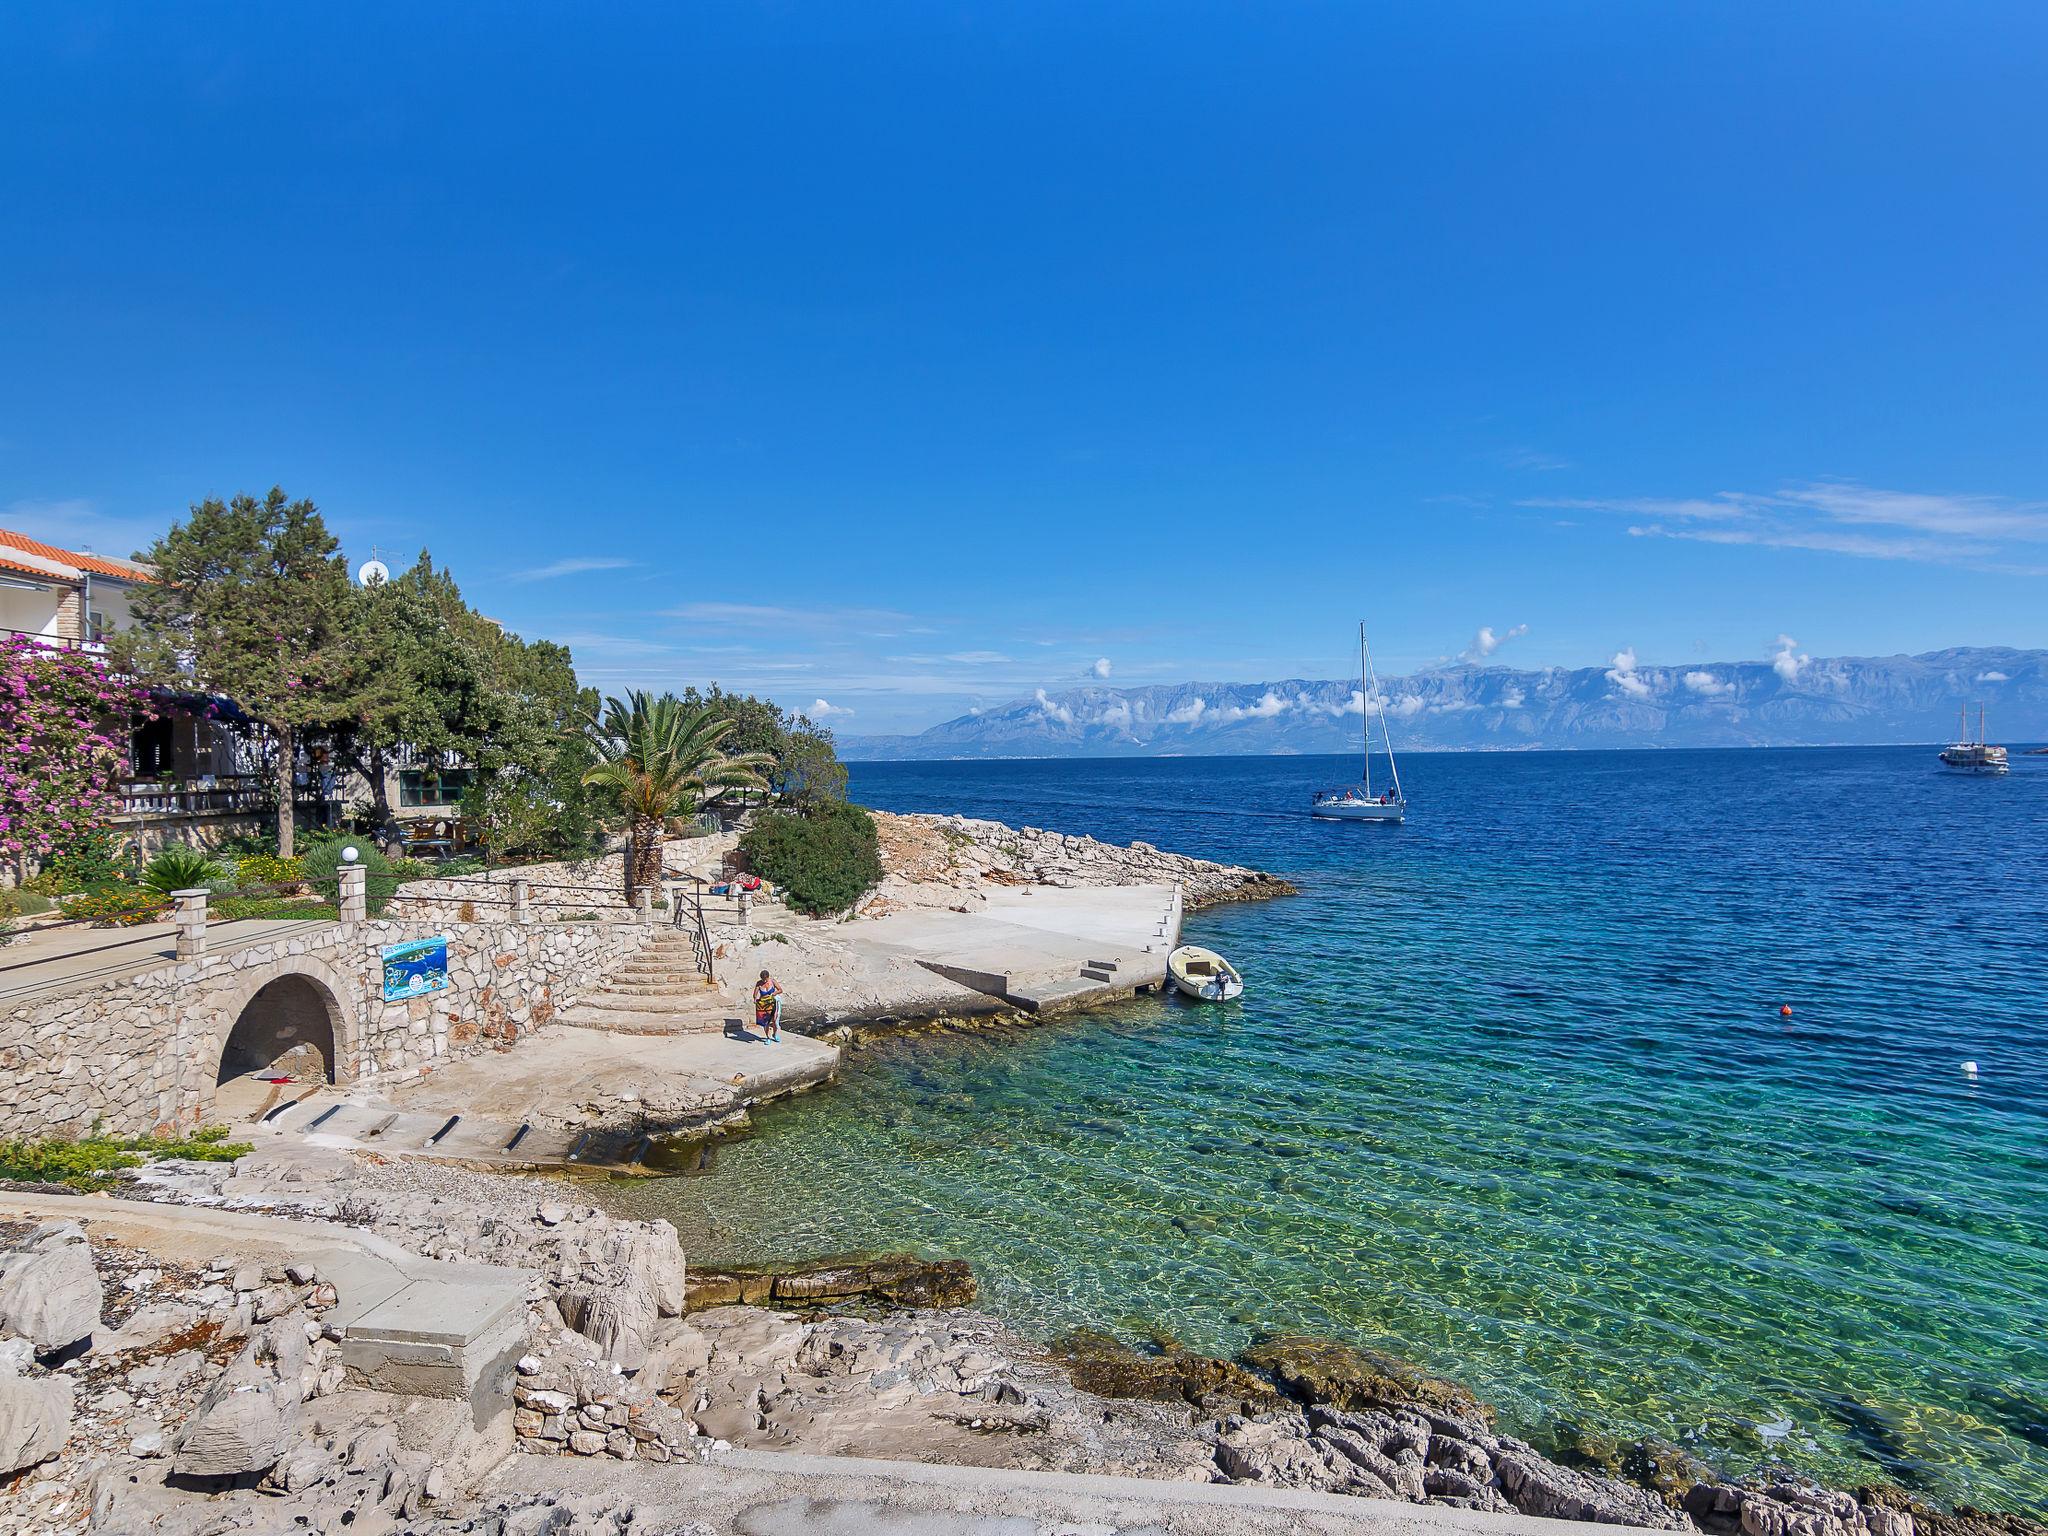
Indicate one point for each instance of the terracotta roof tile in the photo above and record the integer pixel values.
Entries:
(78, 559)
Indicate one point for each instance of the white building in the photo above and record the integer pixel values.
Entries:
(63, 597)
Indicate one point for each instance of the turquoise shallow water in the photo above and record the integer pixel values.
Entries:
(1509, 1094)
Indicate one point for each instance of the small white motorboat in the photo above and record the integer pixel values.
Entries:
(1203, 974)
(1357, 802)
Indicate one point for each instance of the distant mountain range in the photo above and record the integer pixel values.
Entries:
(1790, 700)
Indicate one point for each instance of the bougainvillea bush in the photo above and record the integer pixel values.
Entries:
(64, 723)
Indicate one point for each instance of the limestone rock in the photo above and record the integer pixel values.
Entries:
(49, 1290)
(1273, 1452)
(251, 1415)
(617, 1317)
(1537, 1486)
(653, 1256)
(1324, 1371)
(35, 1420)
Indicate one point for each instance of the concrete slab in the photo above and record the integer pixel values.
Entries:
(1039, 948)
(534, 1105)
(781, 1493)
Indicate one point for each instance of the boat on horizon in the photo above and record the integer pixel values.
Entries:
(1357, 802)
(1966, 756)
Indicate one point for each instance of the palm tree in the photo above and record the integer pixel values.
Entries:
(656, 756)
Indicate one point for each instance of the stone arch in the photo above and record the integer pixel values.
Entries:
(298, 1014)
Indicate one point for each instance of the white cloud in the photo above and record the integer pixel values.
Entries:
(1052, 709)
(1623, 674)
(1707, 684)
(1188, 713)
(768, 616)
(977, 658)
(1117, 714)
(1407, 707)
(1486, 642)
(1269, 705)
(1512, 698)
(575, 566)
(1837, 517)
(1993, 677)
(1786, 659)
(823, 711)
(1101, 668)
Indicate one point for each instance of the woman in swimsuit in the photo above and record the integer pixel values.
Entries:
(768, 1008)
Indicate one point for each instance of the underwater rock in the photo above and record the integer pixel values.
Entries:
(1108, 1367)
(1324, 1371)
(900, 1279)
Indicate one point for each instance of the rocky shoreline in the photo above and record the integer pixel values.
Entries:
(139, 1394)
(966, 854)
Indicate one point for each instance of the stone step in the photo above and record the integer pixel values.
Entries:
(643, 1021)
(1105, 965)
(1042, 995)
(1096, 973)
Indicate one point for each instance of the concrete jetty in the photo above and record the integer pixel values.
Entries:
(1042, 949)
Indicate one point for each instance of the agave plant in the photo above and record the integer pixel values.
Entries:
(656, 756)
(181, 869)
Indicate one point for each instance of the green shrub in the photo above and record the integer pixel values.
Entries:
(85, 861)
(267, 869)
(117, 906)
(23, 903)
(181, 869)
(246, 845)
(824, 860)
(269, 908)
(320, 865)
(84, 1163)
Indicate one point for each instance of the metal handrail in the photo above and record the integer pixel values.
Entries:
(681, 901)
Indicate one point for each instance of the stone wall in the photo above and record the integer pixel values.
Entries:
(142, 1053)
(557, 892)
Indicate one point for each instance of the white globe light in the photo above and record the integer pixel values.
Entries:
(373, 573)
(349, 854)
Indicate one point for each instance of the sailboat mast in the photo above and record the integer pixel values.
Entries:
(1364, 719)
(1365, 655)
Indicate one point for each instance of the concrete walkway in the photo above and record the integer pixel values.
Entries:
(560, 1098)
(66, 959)
(780, 1493)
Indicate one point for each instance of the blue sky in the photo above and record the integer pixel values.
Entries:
(911, 356)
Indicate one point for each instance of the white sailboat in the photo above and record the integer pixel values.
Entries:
(1357, 802)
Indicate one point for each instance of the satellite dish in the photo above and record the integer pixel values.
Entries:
(373, 573)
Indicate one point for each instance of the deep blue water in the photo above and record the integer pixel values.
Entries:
(1510, 1094)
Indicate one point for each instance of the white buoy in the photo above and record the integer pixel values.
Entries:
(1969, 1069)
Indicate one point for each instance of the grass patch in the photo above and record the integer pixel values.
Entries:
(88, 1161)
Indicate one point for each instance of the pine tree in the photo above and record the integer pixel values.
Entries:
(252, 600)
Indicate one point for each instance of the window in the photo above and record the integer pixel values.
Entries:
(432, 786)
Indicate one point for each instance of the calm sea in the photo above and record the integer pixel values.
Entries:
(1510, 1094)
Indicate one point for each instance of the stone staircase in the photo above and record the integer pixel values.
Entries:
(657, 991)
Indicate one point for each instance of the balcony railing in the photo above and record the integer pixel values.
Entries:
(240, 794)
(54, 642)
